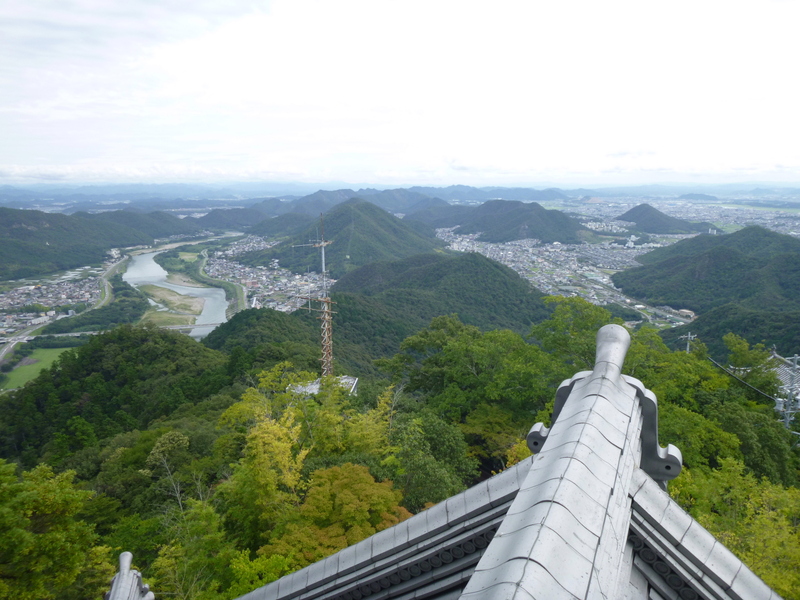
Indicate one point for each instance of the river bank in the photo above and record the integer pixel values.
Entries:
(178, 302)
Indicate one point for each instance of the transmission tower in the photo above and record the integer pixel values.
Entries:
(789, 405)
(325, 302)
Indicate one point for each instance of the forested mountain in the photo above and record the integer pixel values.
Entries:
(117, 382)
(33, 242)
(426, 204)
(504, 221)
(271, 206)
(441, 215)
(360, 233)
(381, 303)
(755, 242)
(287, 224)
(746, 282)
(321, 201)
(404, 200)
(778, 328)
(652, 220)
(155, 224)
(754, 267)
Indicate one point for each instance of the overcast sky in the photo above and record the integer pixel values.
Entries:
(400, 92)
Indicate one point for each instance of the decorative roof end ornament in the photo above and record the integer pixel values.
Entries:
(127, 583)
(662, 464)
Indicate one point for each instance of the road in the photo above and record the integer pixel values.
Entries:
(107, 294)
(17, 338)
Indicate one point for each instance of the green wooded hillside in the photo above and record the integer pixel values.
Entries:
(155, 224)
(753, 241)
(360, 233)
(283, 225)
(504, 221)
(746, 282)
(380, 304)
(34, 243)
(116, 382)
(440, 215)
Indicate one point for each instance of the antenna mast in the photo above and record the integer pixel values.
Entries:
(325, 306)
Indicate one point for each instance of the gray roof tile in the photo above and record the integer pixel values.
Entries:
(502, 490)
(363, 551)
(436, 518)
(722, 566)
(331, 565)
(571, 529)
(511, 571)
(566, 564)
(651, 505)
(747, 586)
(316, 573)
(696, 543)
(456, 507)
(502, 591)
(475, 498)
(347, 559)
(383, 544)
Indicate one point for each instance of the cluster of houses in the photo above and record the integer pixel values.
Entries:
(16, 305)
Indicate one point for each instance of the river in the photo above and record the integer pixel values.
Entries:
(143, 270)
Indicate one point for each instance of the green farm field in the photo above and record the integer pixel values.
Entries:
(43, 357)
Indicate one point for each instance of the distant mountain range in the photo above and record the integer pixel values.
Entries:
(465, 193)
(151, 197)
(745, 282)
(360, 233)
(698, 197)
(229, 218)
(651, 220)
(399, 200)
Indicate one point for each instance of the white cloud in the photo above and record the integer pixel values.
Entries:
(374, 89)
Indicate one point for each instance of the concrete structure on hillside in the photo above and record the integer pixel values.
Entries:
(586, 517)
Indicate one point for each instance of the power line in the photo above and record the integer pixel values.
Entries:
(742, 381)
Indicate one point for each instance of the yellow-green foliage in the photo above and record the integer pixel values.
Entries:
(757, 520)
(46, 551)
(344, 505)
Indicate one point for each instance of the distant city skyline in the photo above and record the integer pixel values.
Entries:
(516, 93)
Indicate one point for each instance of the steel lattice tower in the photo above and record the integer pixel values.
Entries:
(327, 336)
(325, 306)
